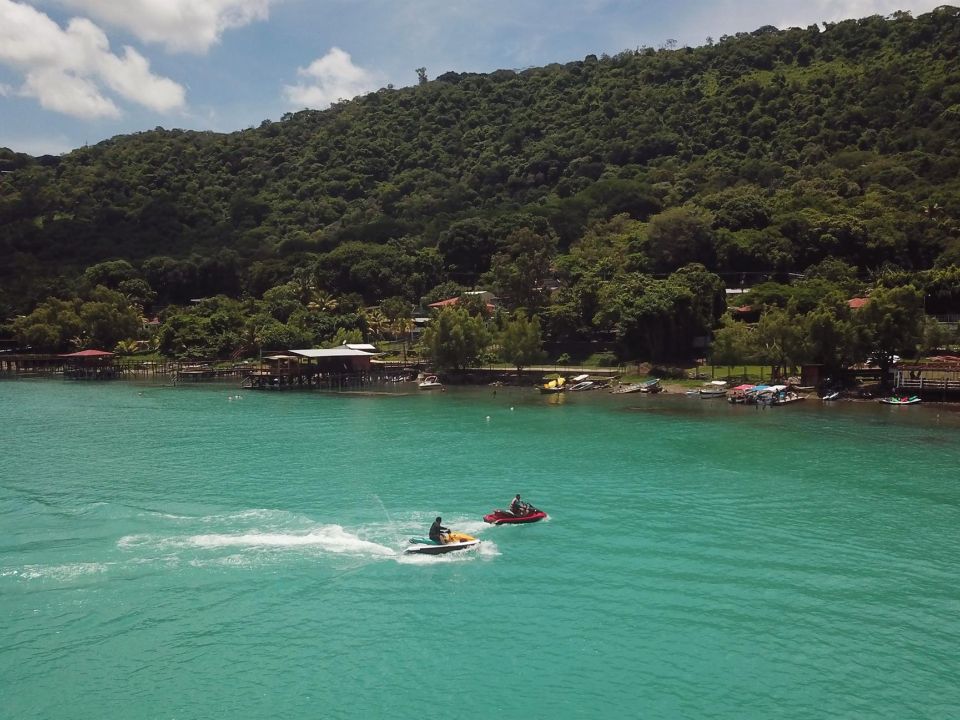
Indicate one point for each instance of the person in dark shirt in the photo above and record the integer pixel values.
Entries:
(437, 531)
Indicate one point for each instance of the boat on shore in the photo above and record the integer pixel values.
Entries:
(651, 386)
(581, 383)
(627, 388)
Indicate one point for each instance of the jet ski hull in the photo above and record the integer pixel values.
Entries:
(455, 541)
(499, 517)
(441, 549)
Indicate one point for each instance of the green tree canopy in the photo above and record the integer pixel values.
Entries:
(521, 344)
(455, 338)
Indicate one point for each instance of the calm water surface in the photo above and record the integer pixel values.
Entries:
(188, 553)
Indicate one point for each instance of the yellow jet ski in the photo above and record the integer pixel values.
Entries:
(452, 542)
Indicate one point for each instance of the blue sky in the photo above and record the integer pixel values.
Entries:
(74, 72)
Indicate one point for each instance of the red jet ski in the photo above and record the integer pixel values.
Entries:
(505, 517)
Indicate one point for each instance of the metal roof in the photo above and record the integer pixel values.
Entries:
(330, 352)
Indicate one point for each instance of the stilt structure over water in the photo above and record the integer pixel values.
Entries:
(331, 368)
(89, 365)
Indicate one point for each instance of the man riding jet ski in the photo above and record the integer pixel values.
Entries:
(441, 540)
(518, 512)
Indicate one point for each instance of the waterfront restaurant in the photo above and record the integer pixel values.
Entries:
(89, 365)
(333, 366)
(333, 360)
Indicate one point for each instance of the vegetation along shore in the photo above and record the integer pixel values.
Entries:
(779, 197)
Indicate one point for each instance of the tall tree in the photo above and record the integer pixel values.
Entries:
(521, 344)
(455, 338)
(892, 322)
(520, 270)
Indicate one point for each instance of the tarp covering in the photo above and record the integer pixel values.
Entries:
(774, 389)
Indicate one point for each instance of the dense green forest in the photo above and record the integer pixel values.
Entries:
(610, 198)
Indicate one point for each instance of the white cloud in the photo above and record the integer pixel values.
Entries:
(66, 93)
(68, 70)
(131, 78)
(179, 25)
(328, 79)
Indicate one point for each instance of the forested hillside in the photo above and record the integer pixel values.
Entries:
(642, 175)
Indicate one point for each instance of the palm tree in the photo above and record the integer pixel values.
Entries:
(377, 322)
(80, 342)
(321, 301)
(127, 347)
(402, 328)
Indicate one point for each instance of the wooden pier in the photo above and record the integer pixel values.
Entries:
(40, 365)
(931, 381)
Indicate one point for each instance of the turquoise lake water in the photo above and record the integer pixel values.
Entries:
(208, 552)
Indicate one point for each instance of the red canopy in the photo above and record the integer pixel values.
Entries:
(88, 353)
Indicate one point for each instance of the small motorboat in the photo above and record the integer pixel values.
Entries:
(505, 517)
(834, 395)
(713, 389)
(453, 542)
(430, 382)
(627, 389)
(912, 400)
(738, 395)
(651, 386)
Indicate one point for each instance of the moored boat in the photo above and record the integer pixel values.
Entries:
(739, 394)
(713, 389)
(778, 395)
(786, 397)
(430, 382)
(555, 385)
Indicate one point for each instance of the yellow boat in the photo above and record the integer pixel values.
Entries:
(553, 386)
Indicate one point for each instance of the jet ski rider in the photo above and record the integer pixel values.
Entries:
(518, 507)
(437, 531)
